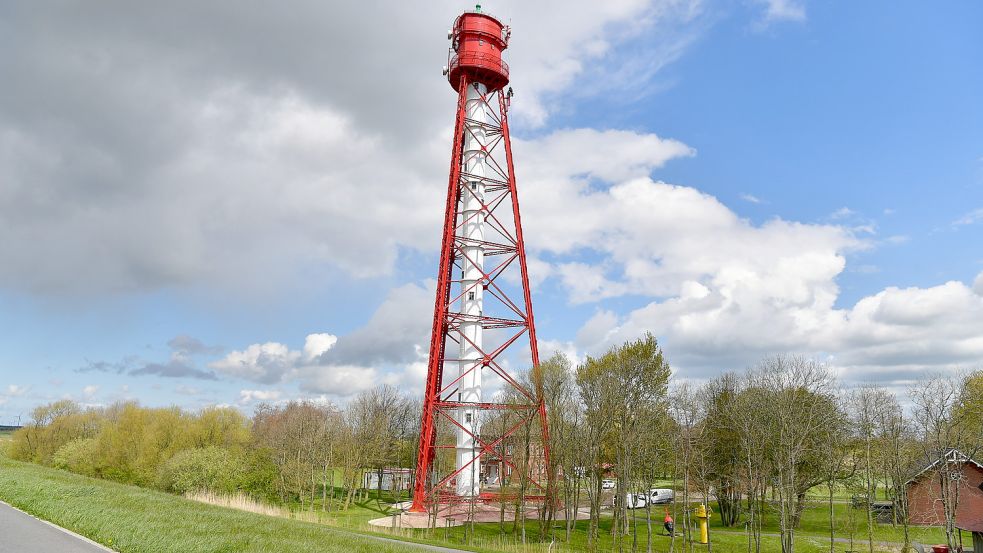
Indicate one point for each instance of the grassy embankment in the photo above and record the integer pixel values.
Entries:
(131, 519)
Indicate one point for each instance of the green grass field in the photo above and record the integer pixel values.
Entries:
(811, 536)
(132, 519)
(135, 520)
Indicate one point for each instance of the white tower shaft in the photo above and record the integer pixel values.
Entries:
(474, 163)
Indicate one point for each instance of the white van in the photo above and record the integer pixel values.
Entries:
(632, 501)
(658, 496)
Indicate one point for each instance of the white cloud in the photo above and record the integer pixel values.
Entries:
(89, 391)
(387, 350)
(250, 396)
(344, 380)
(842, 213)
(978, 285)
(147, 178)
(722, 291)
(750, 198)
(266, 363)
(569, 349)
(782, 10)
(316, 345)
(655, 237)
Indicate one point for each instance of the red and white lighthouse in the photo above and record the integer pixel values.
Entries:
(483, 308)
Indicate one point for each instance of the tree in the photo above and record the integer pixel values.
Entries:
(898, 449)
(623, 391)
(867, 404)
(946, 419)
(598, 394)
(563, 414)
(297, 437)
(720, 452)
(802, 412)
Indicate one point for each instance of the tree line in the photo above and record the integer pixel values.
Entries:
(314, 454)
(755, 442)
(762, 442)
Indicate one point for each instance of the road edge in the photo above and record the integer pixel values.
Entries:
(65, 530)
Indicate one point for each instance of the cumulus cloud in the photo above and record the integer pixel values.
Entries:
(266, 363)
(386, 350)
(719, 290)
(398, 325)
(273, 363)
(892, 336)
(131, 161)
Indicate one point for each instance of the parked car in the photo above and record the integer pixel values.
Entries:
(608, 484)
(659, 496)
(632, 501)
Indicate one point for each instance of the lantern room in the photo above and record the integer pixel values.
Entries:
(477, 41)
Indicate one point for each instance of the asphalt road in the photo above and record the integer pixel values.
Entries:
(22, 533)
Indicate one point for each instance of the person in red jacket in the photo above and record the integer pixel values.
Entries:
(668, 523)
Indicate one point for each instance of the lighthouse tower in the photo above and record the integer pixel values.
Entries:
(483, 308)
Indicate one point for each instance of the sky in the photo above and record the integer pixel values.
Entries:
(228, 203)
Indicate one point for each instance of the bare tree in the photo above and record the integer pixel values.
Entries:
(866, 404)
(947, 433)
(684, 407)
(897, 448)
(563, 412)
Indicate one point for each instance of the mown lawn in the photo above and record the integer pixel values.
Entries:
(135, 520)
(811, 537)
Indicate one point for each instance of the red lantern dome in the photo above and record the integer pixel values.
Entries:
(477, 41)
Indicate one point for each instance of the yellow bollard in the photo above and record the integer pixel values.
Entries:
(703, 515)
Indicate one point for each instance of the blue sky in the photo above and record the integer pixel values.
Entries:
(225, 220)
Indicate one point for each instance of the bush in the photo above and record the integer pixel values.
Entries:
(77, 456)
(212, 468)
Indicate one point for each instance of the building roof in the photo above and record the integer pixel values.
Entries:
(952, 455)
(975, 527)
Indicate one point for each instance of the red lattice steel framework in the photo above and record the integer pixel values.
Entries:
(500, 208)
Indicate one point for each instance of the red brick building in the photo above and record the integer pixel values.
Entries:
(925, 496)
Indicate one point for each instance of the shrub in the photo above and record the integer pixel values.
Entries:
(77, 456)
(212, 468)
